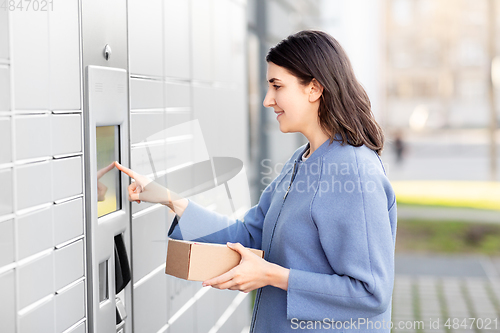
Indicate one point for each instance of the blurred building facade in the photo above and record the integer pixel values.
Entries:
(437, 63)
(268, 23)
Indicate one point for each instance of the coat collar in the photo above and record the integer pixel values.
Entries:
(325, 147)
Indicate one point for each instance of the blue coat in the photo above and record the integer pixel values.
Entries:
(335, 229)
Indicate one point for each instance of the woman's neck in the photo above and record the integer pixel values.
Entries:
(315, 142)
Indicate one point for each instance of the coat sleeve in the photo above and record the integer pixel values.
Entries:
(355, 214)
(203, 225)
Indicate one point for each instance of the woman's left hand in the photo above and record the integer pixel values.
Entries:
(252, 272)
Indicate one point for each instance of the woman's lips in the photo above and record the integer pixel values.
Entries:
(279, 114)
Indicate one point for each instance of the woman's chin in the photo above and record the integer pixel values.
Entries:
(283, 129)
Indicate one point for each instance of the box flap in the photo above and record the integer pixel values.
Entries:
(178, 253)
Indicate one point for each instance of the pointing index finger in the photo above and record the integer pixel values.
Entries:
(125, 170)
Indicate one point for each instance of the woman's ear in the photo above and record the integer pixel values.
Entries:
(315, 90)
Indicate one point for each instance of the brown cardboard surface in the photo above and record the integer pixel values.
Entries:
(201, 261)
(178, 259)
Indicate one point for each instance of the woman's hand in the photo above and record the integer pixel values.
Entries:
(145, 189)
(136, 190)
(252, 272)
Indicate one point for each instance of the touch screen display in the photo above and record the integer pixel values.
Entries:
(108, 177)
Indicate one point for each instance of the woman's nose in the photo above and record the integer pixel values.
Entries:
(269, 100)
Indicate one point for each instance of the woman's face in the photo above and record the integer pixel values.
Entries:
(290, 100)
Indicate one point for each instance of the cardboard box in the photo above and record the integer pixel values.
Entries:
(201, 261)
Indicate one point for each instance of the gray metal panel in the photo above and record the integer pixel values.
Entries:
(8, 303)
(40, 319)
(145, 37)
(177, 117)
(150, 304)
(34, 232)
(32, 189)
(67, 176)
(5, 139)
(212, 305)
(6, 243)
(176, 39)
(66, 133)
(187, 323)
(144, 125)
(146, 94)
(30, 37)
(82, 328)
(4, 34)
(4, 88)
(68, 220)
(6, 194)
(149, 234)
(36, 280)
(221, 41)
(240, 318)
(219, 106)
(177, 95)
(180, 291)
(32, 136)
(141, 159)
(139, 207)
(100, 28)
(201, 30)
(68, 264)
(238, 39)
(70, 307)
(64, 56)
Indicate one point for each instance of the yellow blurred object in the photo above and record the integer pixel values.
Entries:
(481, 195)
(107, 206)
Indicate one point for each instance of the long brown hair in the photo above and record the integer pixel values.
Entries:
(344, 106)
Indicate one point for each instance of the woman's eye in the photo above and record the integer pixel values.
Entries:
(277, 87)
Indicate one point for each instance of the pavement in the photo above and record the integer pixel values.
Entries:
(446, 293)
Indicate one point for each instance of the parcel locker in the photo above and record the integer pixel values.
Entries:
(176, 37)
(64, 56)
(32, 136)
(107, 208)
(33, 190)
(8, 303)
(34, 232)
(6, 195)
(6, 242)
(68, 220)
(31, 80)
(70, 306)
(66, 113)
(5, 132)
(36, 280)
(39, 319)
(4, 88)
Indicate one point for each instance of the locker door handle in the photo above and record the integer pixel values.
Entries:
(122, 276)
(122, 267)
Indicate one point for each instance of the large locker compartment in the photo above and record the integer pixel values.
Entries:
(180, 76)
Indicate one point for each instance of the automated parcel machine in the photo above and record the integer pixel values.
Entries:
(107, 206)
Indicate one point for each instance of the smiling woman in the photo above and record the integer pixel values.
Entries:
(327, 233)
